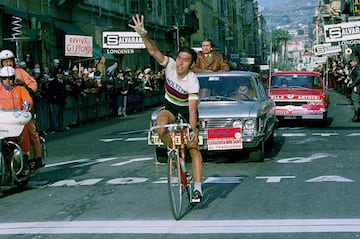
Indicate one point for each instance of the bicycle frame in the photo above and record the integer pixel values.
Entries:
(179, 178)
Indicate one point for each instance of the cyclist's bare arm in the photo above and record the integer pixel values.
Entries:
(193, 104)
(149, 43)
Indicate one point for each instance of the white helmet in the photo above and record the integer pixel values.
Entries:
(6, 54)
(7, 71)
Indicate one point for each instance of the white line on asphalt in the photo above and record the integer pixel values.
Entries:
(94, 161)
(183, 227)
(325, 134)
(133, 160)
(136, 139)
(110, 140)
(293, 134)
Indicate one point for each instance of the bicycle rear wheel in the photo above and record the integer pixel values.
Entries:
(178, 193)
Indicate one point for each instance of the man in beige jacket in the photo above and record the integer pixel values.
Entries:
(209, 60)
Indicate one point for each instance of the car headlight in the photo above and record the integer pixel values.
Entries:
(236, 124)
(250, 124)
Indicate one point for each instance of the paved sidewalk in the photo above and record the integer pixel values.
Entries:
(340, 111)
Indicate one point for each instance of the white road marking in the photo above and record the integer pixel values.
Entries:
(293, 134)
(133, 160)
(275, 179)
(226, 180)
(325, 134)
(353, 134)
(329, 178)
(111, 140)
(67, 162)
(341, 225)
(136, 139)
(305, 159)
(93, 161)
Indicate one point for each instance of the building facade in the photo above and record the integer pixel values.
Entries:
(38, 27)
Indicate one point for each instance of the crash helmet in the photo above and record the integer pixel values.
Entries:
(6, 54)
(7, 72)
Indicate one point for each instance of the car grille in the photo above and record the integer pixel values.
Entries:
(216, 123)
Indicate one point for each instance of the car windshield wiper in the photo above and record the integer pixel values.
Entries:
(218, 98)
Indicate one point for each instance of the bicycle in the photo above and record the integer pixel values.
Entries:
(180, 178)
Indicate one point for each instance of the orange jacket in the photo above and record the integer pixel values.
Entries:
(27, 79)
(217, 64)
(14, 98)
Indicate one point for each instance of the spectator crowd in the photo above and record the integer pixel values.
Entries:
(104, 82)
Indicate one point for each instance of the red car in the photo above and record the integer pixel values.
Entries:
(298, 95)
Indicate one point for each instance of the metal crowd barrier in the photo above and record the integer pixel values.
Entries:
(91, 108)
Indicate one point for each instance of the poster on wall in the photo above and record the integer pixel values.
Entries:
(78, 45)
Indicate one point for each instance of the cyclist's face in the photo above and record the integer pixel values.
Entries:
(7, 62)
(183, 63)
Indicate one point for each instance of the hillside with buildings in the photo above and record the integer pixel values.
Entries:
(287, 14)
(296, 17)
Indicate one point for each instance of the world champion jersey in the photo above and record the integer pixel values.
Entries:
(179, 92)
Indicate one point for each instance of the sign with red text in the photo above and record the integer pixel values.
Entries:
(77, 45)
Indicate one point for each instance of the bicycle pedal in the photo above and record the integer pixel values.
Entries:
(195, 200)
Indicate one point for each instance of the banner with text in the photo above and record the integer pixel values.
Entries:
(342, 32)
(122, 40)
(77, 45)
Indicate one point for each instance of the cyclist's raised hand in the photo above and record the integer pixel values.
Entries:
(138, 25)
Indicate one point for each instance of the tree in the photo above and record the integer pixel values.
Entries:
(280, 36)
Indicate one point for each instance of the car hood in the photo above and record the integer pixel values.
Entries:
(225, 109)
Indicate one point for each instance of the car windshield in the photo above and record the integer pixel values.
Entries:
(227, 88)
(296, 81)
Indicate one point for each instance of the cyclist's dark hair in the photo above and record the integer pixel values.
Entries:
(190, 51)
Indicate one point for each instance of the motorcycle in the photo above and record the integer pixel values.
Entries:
(15, 169)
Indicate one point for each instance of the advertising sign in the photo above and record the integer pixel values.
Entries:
(77, 45)
(327, 48)
(342, 32)
(122, 40)
(356, 6)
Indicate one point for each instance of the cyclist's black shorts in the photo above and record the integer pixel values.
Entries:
(175, 109)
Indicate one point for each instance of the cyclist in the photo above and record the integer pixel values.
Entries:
(181, 96)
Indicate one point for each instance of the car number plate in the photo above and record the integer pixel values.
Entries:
(224, 138)
(155, 140)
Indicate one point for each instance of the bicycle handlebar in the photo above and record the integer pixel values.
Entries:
(172, 127)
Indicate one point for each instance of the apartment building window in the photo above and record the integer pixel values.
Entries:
(134, 7)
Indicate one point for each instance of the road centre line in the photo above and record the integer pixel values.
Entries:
(343, 225)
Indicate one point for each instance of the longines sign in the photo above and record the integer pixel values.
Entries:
(342, 32)
(122, 40)
(327, 48)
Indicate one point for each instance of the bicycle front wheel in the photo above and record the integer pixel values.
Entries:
(178, 192)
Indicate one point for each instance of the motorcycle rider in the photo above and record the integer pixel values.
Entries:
(12, 98)
(7, 58)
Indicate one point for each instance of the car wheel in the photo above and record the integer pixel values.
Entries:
(161, 155)
(258, 154)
